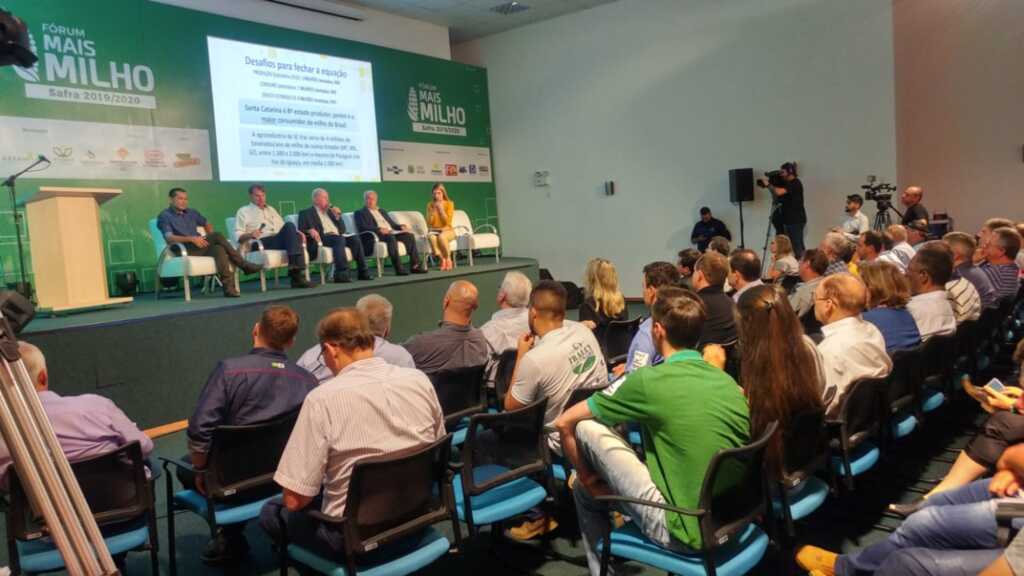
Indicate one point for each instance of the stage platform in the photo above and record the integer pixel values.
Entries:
(152, 357)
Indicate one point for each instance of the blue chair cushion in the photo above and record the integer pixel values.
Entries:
(405, 557)
(501, 502)
(459, 436)
(932, 400)
(902, 425)
(738, 558)
(559, 471)
(224, 513)
(42, 555)
(804, 498)
(862, 459)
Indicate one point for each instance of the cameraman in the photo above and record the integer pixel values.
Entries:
(790, 217)
(911, 199)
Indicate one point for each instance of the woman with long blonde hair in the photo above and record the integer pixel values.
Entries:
(440, 212)
(603, 301)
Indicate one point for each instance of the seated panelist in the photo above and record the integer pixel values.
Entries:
(322, 223)
(258, 220)
(372, 218)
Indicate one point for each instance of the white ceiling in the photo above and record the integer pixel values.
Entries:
(469, 19)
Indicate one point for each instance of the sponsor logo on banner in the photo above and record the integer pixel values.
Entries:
(154, 157)
(472, 168)
(70, 69)
(396, 170)
(63, 152)
(451, 170)
(430, 114)
(122, 153)
(185, 159)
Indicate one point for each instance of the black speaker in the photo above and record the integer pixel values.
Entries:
(741, 185)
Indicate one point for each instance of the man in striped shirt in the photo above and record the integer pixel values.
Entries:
(963, 247)
(1000, 266)
(370, 408)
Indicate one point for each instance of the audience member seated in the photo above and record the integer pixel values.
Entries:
(372, 218)
(378, 311)
(781, 367)
(887, 254)
(1019, 227)
(719, 325)
(869, 246)
(784, 263)
(553, 358)
(954, 532)
(985, 235)
(511, 319)
(1000, 262)
(888, 294)
(456, 344)
(963, 296)
(903, 251)
(257, 387)
(687, 260)
(1004, 428)
(963, 247)
(666, 400)
(602, 300)
(370, 408)
(86, 425)
(833, 246)
(642, 351)
(813, 265)
(929, 271)
(852, 348)
(721, 245)
(856, 222)
(744, 272)
(258, 220)
(917, 233)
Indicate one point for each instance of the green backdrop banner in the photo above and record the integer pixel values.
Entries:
(121, 98)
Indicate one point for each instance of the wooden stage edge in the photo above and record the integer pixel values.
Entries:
(166, 429)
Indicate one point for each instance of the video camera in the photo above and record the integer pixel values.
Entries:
(775, 180)
(878, 192)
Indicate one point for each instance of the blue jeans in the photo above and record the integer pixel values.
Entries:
(933, 539)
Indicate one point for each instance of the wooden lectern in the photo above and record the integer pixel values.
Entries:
(67, 248)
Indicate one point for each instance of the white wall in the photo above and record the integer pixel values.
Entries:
(378, 28)
(960, 125)
(664, 97)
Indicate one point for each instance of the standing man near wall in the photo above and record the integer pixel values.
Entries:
(792, 218)
(707, 228)
(911, 200)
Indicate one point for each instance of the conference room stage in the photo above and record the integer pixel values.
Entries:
(152, 357)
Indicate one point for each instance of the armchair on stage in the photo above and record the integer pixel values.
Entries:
(380, 249)
(324, 255)
(171, 264)
(254, 252)
(470, 239)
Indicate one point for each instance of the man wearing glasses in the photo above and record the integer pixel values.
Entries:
(852, 348)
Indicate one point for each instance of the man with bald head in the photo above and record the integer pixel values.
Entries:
(901, 249)
(456, 344)
(913, 209)
(852, 348)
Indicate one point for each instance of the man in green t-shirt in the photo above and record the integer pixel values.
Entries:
(688, 410)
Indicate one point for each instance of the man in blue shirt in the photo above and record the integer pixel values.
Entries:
(250, 389)
(181, 224)
(642, 351)
(707, 228)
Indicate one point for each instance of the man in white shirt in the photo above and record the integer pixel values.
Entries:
(744, 272)
(813, 264)
(852, 348)
(929, 271)
(258, 220)
(900, 248)
(378, 311)
(370, 408)
(510, 321)
(372, 218)
(856, 222)
(554, 358)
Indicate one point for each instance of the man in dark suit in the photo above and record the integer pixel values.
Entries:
(371, 218)
(322, 223)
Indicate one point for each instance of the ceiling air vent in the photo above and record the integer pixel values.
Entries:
(510, 8)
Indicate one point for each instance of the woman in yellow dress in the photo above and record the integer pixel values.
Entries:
(440, 211)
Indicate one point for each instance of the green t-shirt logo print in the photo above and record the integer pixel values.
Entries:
(587, 365)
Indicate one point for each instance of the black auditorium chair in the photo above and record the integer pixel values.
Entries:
(393, 503)
(461, 394)
(121, 499)
(615, 338)
(857, 423)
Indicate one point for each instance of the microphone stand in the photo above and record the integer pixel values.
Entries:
(23, 287)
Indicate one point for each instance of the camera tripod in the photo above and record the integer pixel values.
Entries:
(882, 218)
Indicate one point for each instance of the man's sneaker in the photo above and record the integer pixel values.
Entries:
(533, 528)
(817, 560)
